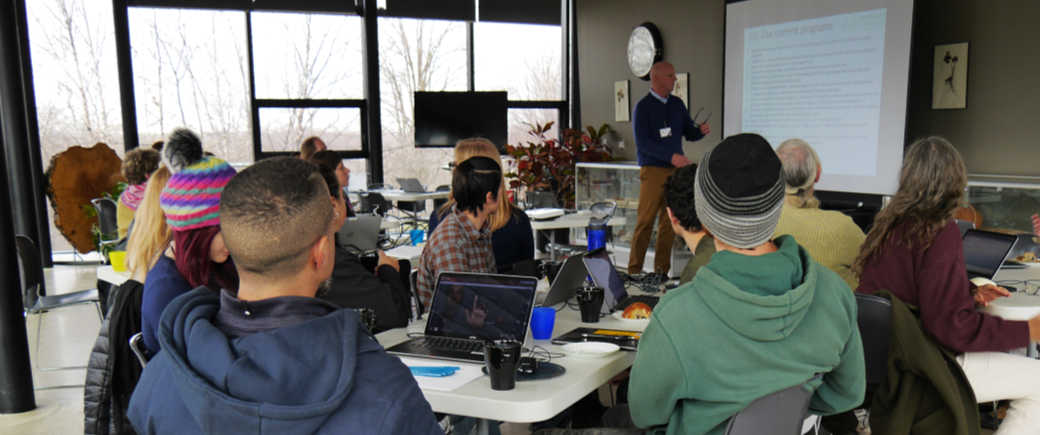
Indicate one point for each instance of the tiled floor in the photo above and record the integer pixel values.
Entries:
(66, 337)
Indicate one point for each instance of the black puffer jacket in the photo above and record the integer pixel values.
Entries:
(112, 370)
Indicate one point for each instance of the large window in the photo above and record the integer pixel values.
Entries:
(74, 74)
(191, 70)
(309, 80)
(416, 55)
(522, 59)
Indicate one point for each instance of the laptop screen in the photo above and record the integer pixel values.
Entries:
(984, 251)
(604, 275)
(478, 306)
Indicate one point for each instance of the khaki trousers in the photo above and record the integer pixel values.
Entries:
(651, 204)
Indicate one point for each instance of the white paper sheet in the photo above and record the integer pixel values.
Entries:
(467, 372)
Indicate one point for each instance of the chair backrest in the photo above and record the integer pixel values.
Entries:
(875, 328)
(413, 279)
(31, 269)
(374, 203)
(964, 226)
(781, 412)
(137, 346)
(108, 221)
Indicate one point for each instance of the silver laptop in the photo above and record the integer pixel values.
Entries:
(469, 309)
(567, 282)
(984, 251)
(411, 185)
(360, 232)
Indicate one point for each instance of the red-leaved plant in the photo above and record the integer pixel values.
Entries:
(546, 163)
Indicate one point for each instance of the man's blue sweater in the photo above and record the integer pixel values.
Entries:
(649, 117)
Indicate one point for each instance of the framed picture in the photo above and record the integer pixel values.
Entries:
(950, 76)
(682, 88)
(622, 110)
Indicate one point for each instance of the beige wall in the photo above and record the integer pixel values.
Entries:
(999, 132)
(693, 41)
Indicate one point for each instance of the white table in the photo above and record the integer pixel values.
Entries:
(573, 220)
(400, 195)
(407, 252)
(1018, 306)
(530, 401)
(109, 275)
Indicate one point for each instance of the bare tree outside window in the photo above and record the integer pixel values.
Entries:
(74, 67)
(190, 70)
(416, 55)
(308, 56)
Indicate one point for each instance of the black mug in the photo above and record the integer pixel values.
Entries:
(590, 300)
(502, 358)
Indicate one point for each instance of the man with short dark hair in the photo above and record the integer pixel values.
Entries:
(273, 358)
(678, 197)
(760, 317)
(462, 241)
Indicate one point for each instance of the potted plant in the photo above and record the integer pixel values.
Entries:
(546, 164)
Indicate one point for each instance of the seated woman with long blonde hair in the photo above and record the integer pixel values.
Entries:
(512, 238)
(150, 235)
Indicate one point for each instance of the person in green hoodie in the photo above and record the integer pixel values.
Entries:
(760, 317)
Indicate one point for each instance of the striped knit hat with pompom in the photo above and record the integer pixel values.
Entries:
(191, 199)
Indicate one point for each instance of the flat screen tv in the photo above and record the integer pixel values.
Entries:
(443, 118)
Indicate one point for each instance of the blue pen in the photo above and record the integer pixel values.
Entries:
(434, 372)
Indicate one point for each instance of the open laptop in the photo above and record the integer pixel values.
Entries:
(360, 232)
(469, 309)
(984, 251)
(411, 185)
(603, 274)
(567, 282)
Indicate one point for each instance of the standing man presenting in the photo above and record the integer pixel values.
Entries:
(660, 121)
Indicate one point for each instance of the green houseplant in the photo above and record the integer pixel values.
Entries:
(546, 163)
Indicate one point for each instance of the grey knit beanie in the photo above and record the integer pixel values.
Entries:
(740, 191)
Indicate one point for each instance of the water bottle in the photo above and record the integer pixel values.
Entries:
(596, 233)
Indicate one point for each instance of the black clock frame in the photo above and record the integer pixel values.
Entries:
(655, 33)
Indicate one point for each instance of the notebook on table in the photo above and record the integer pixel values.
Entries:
(984, 251)
(469, 309)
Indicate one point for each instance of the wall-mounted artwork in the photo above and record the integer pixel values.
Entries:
(950, 76)
(622, 110)
(682, 88)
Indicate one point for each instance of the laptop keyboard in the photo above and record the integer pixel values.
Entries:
(452, 344)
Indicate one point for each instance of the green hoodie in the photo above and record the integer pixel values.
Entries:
(711, 348)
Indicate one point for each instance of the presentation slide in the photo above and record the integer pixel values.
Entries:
(833, 73)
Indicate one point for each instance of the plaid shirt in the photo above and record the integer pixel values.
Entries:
(456, 246)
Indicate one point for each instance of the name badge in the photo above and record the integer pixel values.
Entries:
(666, 132)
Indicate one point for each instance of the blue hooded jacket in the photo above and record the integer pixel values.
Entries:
(324, 375)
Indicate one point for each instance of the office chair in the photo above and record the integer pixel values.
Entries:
(108, 224)
(875, 328)
(36, 303)
(438, 202)
(137, 346)
(782, 412)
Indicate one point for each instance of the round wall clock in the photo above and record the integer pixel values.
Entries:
(644, 49)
